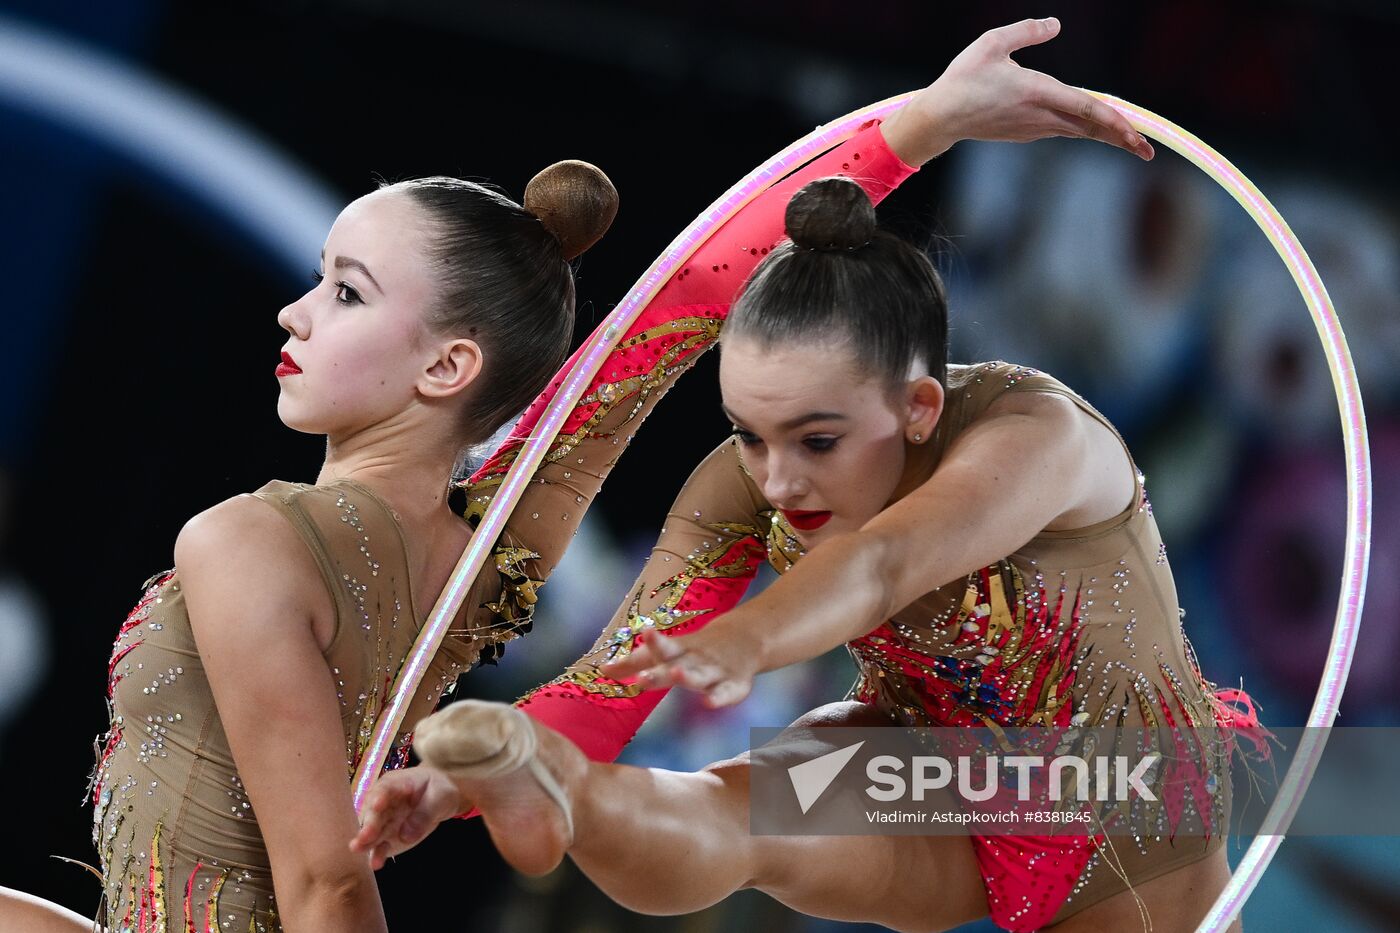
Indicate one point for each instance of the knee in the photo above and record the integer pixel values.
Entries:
(847, 714)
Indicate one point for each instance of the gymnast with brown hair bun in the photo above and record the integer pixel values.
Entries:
(242, 685)
(978, 537)
(441, 308)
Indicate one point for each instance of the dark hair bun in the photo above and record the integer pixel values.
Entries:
(575, 202)
(830, 213)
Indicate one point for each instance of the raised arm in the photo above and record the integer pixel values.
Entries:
(682, 322)
(983, 94)
(255, 603)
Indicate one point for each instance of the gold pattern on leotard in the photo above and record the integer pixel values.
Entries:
(730, 559)
(613, 389)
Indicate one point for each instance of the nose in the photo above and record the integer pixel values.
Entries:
(294, 319)
(784, 483)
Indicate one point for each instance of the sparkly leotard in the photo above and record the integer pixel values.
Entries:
(176, 834)
(1077, 627)
(177, 837)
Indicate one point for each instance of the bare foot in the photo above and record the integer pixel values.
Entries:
(519, 773)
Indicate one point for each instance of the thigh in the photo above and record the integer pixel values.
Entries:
(915, 883)
(1172, 903)
(907, 883)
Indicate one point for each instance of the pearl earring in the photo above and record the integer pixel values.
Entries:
(918, 438)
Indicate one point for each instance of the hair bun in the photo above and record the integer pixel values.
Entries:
(576, 203)
(830, 213)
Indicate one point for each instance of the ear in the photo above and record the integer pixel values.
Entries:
(457, 365)
(924, 405)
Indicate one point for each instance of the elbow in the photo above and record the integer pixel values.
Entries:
(341, 883)
(884, 567)
(341, 897)
(872, 560)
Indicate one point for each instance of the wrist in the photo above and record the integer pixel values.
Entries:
(735, 641)
(441, 796)
(920, 130)
(755, 650)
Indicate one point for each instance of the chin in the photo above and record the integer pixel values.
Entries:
(296, 420)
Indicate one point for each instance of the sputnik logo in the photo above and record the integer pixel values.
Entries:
(811, 778)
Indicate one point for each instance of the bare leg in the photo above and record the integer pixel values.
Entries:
(1176, 902)
(662, 842)
(25, 913)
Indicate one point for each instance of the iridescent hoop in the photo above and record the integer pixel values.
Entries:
(595, 351)
(1358, 541)
(1358, 453)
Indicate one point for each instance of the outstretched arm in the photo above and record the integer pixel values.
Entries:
(683, 321)
(1033, 461)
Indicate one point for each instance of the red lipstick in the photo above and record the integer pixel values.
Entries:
(804, 520)
(288, 366)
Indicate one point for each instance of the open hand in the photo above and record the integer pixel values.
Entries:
(714, 661)
(983, 94)
(402, 808)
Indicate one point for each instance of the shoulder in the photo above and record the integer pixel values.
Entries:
(243, 523)
(1029, 416)
(999, 389)
(1055, 408)
(1049, 424)
(1051, 407)
(244, 550)
(1045, 421)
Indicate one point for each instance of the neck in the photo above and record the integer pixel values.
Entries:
(409, 469)
(920, 460)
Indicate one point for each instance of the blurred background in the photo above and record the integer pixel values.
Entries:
(171, 169)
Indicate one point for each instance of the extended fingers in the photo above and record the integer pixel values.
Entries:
(1092, 118)
(390, 801)
(656, 650)
(1075, 127)
(379, 819)
(689, 670)
(695, 673)
(726, 693)
(644, 668)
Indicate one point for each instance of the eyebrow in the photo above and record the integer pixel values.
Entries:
(345, 262)
(795, 422)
